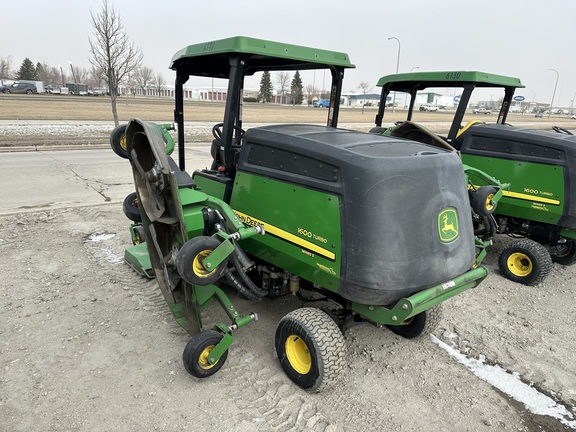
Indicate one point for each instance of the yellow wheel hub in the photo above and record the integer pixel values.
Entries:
(123, 142)
(519, 264)
(298, 354)
(197, 266)
(203, 359)
(489, 205)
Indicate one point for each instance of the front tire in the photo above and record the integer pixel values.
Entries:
(422, 324)
(525, 261)
(189, 261)
(482, 201)
(311, 349)
(197, 353)
(131, 207)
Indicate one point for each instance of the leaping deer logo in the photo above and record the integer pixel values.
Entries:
(448, 225)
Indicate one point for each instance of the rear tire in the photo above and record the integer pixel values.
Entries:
(311, 349)
(422, 324)
(525, 261)
(564, 253)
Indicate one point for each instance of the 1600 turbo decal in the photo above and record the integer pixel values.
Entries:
(291, 238)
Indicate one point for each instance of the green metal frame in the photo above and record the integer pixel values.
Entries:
(413, 82)
(236, 57)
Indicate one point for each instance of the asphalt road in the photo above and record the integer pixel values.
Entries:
(41, 180)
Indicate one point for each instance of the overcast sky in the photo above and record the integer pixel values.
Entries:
(522, 38)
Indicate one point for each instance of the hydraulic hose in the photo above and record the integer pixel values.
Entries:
(251, 286)
(240, 287)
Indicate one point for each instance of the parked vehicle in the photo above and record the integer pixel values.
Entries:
(482, 111)
(97, 92)
(19, 87)
(322, 103)
(53, 89)
(428, 108)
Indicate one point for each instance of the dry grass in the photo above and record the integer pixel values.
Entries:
(54, 107)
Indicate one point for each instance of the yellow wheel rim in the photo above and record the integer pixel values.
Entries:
(197, 266)
(519, 264)
(123, 142)
(489, 205)
(203, 359)
(407, 321)
(298, 354)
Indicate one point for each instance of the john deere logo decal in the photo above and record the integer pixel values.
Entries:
(448, 225)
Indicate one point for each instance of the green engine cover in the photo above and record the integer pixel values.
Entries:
(354, 212)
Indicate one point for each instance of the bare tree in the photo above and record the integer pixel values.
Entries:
(144, 77)
(48, 74)
(311, 91)
(283, 81)
(159, 82)
(112, 51)
(6, 67)
(80, 74)
(365, 88)
(96, 78)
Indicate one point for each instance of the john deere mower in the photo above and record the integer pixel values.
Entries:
(378, 227)
(540, 166)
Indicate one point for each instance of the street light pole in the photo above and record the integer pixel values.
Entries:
(397, 68)
(554, 93)
(62, 74)
(74, 78)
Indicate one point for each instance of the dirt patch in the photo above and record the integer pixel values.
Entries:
(86, 342)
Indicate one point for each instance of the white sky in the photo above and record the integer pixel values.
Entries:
(522, 38)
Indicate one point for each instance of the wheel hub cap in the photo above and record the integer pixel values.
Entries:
(519, 264)
(298, 354)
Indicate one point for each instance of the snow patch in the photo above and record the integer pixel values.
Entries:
(96, 237)
(510, 383)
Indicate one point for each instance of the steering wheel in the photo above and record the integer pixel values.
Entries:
(561, 130)
(217, 134)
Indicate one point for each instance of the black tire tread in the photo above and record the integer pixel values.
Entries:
(429, 321)
(542, 261)
(331, 345)
(568, 259)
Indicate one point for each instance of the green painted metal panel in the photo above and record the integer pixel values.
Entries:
(407, 81)
(210, 187)
(303, 230)
(275, 52)
(537, 192)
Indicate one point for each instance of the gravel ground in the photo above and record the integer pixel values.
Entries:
(88, 345)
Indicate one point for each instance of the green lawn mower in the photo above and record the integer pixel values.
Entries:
(377, 227)
(540, 166)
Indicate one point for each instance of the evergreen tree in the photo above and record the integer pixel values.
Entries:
(27, 71)
(265, 94)
(296, 89)
(41, 73)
